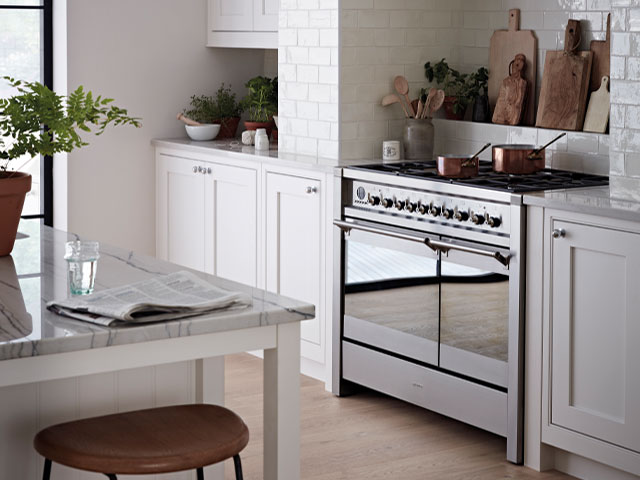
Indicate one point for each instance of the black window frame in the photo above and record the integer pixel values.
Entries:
(46, 162)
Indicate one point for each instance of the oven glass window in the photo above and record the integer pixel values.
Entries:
(474, 322)
(392, 297)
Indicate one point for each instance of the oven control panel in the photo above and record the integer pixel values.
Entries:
(451, 210)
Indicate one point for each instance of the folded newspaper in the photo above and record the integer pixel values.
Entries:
(167, 297)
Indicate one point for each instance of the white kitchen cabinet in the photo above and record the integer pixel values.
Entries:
(181, 208)
(207, 217)
(294, 249)
(591, 329)
(243, 23)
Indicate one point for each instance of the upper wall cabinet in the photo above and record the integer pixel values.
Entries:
(243, 23)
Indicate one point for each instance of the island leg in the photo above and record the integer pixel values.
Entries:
(282, 405)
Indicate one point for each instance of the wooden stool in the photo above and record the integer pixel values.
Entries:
(157, 440)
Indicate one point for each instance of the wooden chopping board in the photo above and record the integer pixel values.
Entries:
(505, 45)
(601, 58)
(565, 84)
(597, 116)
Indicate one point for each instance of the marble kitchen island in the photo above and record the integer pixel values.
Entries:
(39, 350)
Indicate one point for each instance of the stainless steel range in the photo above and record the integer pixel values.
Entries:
(432, 289)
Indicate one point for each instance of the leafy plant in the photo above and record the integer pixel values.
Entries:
(37, 121)
(262, 100)
(215, 108)
(465, 87)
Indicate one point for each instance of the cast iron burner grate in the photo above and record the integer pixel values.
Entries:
(547, 179)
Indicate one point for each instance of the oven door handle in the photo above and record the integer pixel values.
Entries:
(435, 245)
(444, 247)
(348, 226)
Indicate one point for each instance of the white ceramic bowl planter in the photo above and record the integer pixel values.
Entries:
(202, 132)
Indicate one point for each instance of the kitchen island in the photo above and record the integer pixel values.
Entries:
(37, 346)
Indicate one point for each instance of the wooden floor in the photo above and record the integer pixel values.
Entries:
(370, 436)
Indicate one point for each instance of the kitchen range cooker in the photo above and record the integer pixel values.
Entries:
(432, 289)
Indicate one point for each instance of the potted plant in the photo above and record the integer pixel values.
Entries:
(37, 121)
(461, 88)
(222, 108)
(261, 103)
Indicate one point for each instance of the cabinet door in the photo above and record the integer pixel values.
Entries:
(265, 15)
(180, 212)
(231, 15)
(293, 250)
(595, 330)
(231, 223)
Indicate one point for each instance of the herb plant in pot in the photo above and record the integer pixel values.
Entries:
(222, 108)
(261, 103)
(37, 121)
(461, 88)
(479, 85)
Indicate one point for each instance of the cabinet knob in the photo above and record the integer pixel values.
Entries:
(200, 169)
(209, 170)
(195, 169)
(311, 190)
(559, 233)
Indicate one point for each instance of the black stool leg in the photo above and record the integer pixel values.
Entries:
(238, 465)
(200, 473)
(46, 473)
(111, 476)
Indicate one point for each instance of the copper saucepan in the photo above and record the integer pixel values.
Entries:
(460, 166)
(520, 159)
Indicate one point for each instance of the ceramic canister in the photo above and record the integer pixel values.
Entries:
(391, 150)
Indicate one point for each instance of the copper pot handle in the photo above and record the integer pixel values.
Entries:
(535, 153)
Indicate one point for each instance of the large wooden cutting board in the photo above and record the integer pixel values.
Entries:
(601, 58)
(565, 84)
(505, 45)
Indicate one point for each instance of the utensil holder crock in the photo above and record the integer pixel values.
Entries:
(418, 139)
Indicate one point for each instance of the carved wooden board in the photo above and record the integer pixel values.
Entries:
(597, 116)
(565, 85)
(601, 58)
(505, 45)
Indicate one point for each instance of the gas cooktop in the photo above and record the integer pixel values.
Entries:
(547, 179)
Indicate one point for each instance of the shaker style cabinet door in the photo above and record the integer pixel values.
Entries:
(180, 212)
(595, 332)
(231, 234)
(231, 15)
(265, 15)
(293, 249)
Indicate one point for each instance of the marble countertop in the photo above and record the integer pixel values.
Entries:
(36, 273)
(591, 200)
(235, 149)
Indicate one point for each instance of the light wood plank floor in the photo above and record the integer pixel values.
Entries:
(370, 436)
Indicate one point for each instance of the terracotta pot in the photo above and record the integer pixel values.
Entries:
(448, 104)
(13, 188)
(256, 125)
(228, 128)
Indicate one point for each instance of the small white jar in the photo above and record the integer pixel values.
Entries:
(262, 141)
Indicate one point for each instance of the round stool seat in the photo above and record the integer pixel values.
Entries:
(157, 440)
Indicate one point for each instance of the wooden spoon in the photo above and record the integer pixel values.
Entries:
(436, 102)
(188, 121)
(402, 87)
(427, 105)
(391, 99)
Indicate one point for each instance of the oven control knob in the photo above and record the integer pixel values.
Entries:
(411, 207)
(462, 216)
(374, 200)
(448, 213)
(435, 211)
(477, 219)
(423, 209)
(494, 222)
(387, 202)
(400, 205)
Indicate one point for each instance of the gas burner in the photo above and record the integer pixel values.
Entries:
(548, 179)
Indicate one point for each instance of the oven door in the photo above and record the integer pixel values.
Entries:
(391, 290)
(474, 313)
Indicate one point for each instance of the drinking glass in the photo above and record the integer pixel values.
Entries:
(82, 259)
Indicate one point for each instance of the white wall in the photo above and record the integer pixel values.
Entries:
(150, 56)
